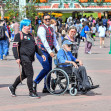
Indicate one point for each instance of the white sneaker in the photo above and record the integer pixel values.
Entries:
(100, 46)
(89, 52)
(4, 57)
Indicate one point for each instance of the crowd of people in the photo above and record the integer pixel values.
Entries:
(49, 30)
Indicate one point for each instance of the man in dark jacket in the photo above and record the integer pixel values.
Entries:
(24, 49)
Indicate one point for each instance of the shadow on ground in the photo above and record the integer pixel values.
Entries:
(4, 85)
(7, 85)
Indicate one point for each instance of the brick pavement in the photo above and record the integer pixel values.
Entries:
(98, 67)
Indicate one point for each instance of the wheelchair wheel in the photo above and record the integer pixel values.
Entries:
(73, 91)
(57, 81)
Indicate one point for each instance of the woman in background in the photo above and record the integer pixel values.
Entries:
(102, 31)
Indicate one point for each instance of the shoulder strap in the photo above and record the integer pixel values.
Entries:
(21, 35)
(65, 54)
(31, 35)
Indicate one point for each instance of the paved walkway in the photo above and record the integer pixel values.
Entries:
(98, 66)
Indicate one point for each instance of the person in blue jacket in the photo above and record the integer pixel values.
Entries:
(64, 55)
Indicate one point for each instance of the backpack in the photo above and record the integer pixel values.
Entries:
(2, 33)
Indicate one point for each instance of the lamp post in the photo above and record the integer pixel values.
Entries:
(22, 9)
(2, 10)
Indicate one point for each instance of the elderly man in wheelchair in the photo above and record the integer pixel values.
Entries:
(69, 72)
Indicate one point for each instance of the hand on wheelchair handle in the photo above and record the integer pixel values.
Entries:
(52, 54)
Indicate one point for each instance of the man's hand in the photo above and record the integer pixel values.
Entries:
(74, 64)
(18, 61)
(52, 54)
(44, 58)
(80, 63)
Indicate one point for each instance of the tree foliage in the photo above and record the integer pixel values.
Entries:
(31, 13)
(12, 10)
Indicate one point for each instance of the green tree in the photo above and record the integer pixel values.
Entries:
(31, 13)
(12, 10)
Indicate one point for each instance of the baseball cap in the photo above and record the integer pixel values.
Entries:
(68, 42)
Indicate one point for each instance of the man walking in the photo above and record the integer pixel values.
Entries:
(24, 49)
(45, 40)
(3, 41)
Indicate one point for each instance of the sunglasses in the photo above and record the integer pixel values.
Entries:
(69, 45)
(47, 19)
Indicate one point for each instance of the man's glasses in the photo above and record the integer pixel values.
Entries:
(69, 45)
(47, 19)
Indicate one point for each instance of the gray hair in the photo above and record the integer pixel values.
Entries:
(71, 27)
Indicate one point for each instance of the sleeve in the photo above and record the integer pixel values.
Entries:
(56, 44)
(99, 29)
(60, 57)
(72, 57)
(15, 47)
(105, 28)
(37, 50)
(42, 35)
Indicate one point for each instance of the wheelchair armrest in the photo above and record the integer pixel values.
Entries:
(64, 64)
(77, 63)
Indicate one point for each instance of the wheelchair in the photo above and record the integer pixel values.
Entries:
(62, 79)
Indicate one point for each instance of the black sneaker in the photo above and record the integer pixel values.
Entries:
(34, 95)
(94, 87)
(34, 87)
(12, 91)
(45, 91)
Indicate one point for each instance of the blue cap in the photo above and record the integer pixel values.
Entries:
(68, 42)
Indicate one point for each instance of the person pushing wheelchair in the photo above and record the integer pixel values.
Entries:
(64, 55)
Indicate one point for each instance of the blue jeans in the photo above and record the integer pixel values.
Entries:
(3, 48)
(47, 66)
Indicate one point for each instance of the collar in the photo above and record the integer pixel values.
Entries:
(46, 25)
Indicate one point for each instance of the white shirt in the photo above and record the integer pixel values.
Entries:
(102, 31)
(42, 35)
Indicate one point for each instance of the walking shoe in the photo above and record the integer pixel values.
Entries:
(89, 52)
(53, 83)
(34, 87)
(45, 91)
(94, 87)
(34, 95)
(12, 91)
(4, 57)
